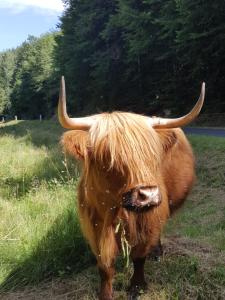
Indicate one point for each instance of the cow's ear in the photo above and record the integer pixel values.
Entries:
(168, 138)
(75, 142)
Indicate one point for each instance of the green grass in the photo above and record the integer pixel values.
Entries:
(39, 232)
(40, 238)
(203, 216)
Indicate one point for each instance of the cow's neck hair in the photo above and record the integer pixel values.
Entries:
(124, 142)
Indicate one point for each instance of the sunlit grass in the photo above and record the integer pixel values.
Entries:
(37, 204)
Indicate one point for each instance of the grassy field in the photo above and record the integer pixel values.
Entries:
(42, 252)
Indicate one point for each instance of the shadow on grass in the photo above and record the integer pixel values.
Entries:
(45, 133)
(61, 252)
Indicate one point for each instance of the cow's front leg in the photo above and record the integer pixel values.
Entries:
(137, 282)
(156, 252)
(106, 289)
(138, 278)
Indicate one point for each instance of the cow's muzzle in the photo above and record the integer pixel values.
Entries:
(141, 198)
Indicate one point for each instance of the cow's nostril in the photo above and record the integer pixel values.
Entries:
(142, 196)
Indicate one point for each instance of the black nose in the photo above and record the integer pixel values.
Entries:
(127, 198)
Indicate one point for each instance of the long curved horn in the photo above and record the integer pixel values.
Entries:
(182, 121)
(67, 122)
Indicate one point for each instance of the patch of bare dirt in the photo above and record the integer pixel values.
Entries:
(207, 256)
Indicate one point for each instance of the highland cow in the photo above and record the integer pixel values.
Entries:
(136, 171)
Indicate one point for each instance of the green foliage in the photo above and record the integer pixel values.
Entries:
(28, 78)
(7, 67)
(32, 80)
(140, 55)
(200, 41)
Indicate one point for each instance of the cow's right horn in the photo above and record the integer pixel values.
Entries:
(182, 121)
(67, 122)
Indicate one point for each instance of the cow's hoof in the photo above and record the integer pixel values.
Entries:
(133, 296)
(135, 291)
(104, 296)
(156, 253)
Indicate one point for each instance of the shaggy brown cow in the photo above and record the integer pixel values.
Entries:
(136, 171)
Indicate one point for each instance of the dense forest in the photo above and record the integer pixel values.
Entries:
(146, 56)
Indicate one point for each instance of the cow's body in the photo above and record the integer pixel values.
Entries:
(120, 152)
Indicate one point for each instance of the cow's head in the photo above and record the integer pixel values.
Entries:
(122, 152)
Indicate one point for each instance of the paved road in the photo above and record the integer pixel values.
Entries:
(205, 131)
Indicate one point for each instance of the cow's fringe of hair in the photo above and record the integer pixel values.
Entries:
(124, 141)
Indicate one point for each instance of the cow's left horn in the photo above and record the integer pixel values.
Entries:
(182, 121)
(67, 122)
